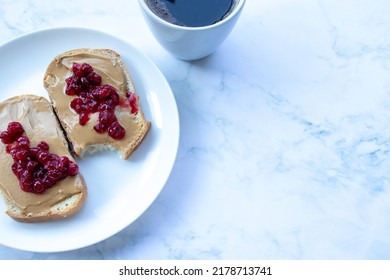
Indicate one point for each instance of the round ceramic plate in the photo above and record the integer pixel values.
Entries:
(119, 190)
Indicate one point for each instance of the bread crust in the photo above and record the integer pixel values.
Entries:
(56, 212)
(64, 208)
(124, 148)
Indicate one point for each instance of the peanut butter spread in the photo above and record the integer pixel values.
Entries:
(40, 124)
(84, 136)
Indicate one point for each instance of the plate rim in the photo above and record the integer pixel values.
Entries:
(175, 141)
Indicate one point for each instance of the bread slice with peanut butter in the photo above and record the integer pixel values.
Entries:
(33, 158)
(96, 102)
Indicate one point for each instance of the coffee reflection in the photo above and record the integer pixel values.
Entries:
(191, 13)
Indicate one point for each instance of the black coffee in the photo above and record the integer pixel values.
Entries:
(192, 13)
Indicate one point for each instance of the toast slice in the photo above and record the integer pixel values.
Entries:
(64, 198)
(83, 129)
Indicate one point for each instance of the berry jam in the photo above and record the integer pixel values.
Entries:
(35, 167)
(92, 97)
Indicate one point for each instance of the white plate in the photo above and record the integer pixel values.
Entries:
(119, 191)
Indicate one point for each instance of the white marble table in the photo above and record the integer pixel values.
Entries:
(285, 133)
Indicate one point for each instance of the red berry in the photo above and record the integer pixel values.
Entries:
(94, 78)
(106, 117)
(6, 137)
(43, 146)
(43, 156)
(38, 186)
(21, 155)
(84, 118)
(116, 131)
(69, 80)
(23, 142)
(15, 129)
(70, 91)
(77, 70)
(86, 68)
(100, 128)
(76, 103)
(72, 169)
(65, 161)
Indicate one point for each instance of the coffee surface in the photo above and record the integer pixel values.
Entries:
(192, 13)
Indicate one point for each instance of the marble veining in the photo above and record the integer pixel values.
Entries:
(285, 142)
